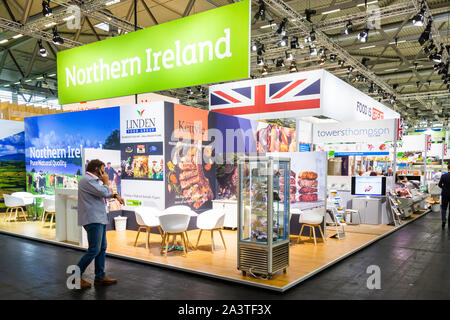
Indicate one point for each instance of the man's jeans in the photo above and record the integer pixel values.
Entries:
(96, 234)
(444, 205)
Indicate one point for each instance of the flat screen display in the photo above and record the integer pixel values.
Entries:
(369, 186)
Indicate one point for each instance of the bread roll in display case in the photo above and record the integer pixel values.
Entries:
(263, 215)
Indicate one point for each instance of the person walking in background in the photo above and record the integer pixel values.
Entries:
(444, 184)
(93, 190)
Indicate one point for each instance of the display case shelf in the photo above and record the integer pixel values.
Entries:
(263, 215)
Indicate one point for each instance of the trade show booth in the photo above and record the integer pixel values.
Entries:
(260, 190)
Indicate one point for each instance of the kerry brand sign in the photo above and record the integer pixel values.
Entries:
(208, 47)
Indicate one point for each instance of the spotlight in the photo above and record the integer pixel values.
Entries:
(436, 57)
(312, 51)
(309, 13)
(429, 48)
(260, 49)
(295, 44)
(371, 87)
(46, 10)
(364, 61)
(438, 66)
(282, 28)
(264, 71)
(419, 19)
(56, 38)
(425, 36)
(289, 56)
(322, 60)
(283, 42)
(348, 28)
(363, 35)
(341, 63)
(293, 67)
(255, 46)
(350, 68)
(280, 63)
(259, 61)
(311, 37)
(261, 13)
(395, 86)
(42, 51)
(190, 92)
(333, 57)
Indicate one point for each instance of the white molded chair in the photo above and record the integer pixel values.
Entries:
(181, 209)
(27, 198)
(311, 220)
(174, 224)
(211, 220)
(178, 209)
(13, 203)
(49, 209)
(147, 217)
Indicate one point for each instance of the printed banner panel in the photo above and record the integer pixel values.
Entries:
(207, 47)
(355, 131)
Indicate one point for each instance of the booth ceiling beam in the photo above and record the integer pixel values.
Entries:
(8, 9)
(34, 32)
(26, 11)
(189, 7)
(149, 12)
(328, 43)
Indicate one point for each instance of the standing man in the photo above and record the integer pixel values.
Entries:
(444, 184)
(93, 191)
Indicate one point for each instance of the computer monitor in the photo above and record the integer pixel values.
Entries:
(369, 186)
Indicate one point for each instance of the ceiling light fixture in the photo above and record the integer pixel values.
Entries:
(363, 36)
(3, 41)
(425, 36)
(264, 71)
(283, 42)
(289, 56)
(312, 50)
(309, 13)
(282, 28)
(280, 63)
(293, 67)
(46, 10)
(331, 11)
(261, 13)
(259, 61)
(348, 28)
(42, 51)
(56, 38)
(341, 63)
(295, 44)
(17, 36)
(419, 18)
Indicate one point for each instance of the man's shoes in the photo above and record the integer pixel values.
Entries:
(105, 281)
(443, 225)
(84, 284)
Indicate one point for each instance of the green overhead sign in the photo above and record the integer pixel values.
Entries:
(208, 47)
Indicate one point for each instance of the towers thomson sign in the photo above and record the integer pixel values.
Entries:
(208, 47)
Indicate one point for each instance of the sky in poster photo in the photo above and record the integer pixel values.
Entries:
(89, 129)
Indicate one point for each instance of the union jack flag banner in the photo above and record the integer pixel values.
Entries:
(291, 92)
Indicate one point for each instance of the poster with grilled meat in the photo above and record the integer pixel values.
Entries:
(189, 158)
(307, 178)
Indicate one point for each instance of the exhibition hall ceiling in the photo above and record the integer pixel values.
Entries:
(391, 65)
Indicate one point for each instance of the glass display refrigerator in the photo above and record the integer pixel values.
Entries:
(263, 215)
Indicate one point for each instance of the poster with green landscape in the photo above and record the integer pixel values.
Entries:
(12, 165)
